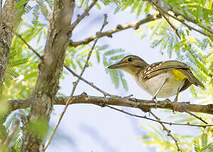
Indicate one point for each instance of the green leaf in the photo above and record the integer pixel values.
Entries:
(113, 51)
(124, 83)
(18, 62)
(204, 139)
(117, 57)
(98, 56)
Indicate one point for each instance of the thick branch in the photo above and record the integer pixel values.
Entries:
(119, 101)
(140, 103)
(50, 69)
(117, 29)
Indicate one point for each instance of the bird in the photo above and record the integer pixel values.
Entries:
(161, 79)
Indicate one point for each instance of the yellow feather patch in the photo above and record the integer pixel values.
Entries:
(178, 75)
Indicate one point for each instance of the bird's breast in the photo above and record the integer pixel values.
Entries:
(153, 84)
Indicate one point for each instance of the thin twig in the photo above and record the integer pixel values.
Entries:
(20, 37)
(117, 29)
(80, 17)
(167, 130)
(89, 83)
(167, 20)
(205, 28)
(74, 87)
(164, 122)
(172, 26)
(190, 113)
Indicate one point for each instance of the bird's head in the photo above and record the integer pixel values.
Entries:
(131, 64)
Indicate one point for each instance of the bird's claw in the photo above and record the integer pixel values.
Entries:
(103, 104)
(154, 99)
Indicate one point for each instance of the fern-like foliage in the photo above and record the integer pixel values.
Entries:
(202, 144)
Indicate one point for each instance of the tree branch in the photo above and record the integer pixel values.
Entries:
(167, 20)
(120, 101)
(87, 82)
(140, 103)
(197, 117)
(167, 130)
(154, 120)
(81, 17)
(117, 29)
(50, 69)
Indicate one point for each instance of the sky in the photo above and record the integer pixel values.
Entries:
(90, 128)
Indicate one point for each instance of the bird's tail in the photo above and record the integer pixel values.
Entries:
(193, 79)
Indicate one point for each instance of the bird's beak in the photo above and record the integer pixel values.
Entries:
(116, 65)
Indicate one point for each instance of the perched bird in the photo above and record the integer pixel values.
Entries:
(161, 79)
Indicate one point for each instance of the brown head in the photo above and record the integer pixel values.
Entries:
(131, 64)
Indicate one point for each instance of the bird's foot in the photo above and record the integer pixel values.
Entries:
(154, 99)
(102, 104)
(175, 106)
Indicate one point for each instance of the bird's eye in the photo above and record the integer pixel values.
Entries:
(129, 59)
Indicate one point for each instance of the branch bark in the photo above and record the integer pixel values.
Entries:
(50, 70)
(140, 103)
(117, 29)
(120, 101)
(81, 17)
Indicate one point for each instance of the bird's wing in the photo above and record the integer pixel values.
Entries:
(179, 68)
